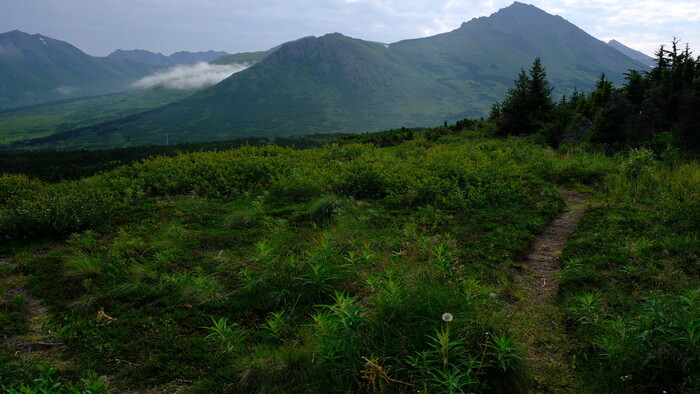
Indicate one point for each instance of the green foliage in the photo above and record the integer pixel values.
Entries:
(27, 123)
(228, 338)
(53, 165)
(505, 350)
(56, 210)
(649, 106)
(528, 105)
(448, 366)
(658, 346)
(46, 383)
(12, 316)
(16, 187)
(630, 279)
(49, 382)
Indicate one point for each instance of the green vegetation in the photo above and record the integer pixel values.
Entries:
(52, 166)
(280, 269)
(630, 289)
(630, 279)
(379, 262)
(655, 109)
(244, 57)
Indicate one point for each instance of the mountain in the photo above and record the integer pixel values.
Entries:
(335, 83)
(634, 54)
(158, 59)
(141, 56)
(37, 69)
(244, 57)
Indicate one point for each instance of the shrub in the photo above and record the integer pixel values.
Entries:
(57, 210)
(17, 187)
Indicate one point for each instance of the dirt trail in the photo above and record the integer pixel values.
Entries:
(37, 340)
(537, 320)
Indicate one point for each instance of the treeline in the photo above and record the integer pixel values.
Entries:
(656, 108)
(395, 137)
(54, 166)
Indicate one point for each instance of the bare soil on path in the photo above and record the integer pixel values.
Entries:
(537, 319)
(37, 341)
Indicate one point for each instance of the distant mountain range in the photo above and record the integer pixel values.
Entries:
(634, 54)
(37, 69)
(158, 59)
(336, 83)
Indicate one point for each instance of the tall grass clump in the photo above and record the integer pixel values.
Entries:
(643, 176)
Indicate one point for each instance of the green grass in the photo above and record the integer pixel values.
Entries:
(631, 279)
(273, 269)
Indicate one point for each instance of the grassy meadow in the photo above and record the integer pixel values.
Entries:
(366, 265)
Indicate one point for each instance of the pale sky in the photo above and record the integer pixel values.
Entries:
(99, 27)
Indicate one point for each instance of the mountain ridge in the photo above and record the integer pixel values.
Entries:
(335, 83)
(37, 69)
(633, 53)
(158, 59)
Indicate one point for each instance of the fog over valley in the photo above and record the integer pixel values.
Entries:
(200, 75)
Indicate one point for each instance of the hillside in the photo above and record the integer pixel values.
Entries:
(37, 69)
(634, 54)
(35, 121)
(158, 59)
(340, 84)
(243, 57)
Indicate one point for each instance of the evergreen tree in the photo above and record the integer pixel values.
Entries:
(540, 93)
(635, 88)
(663, 100)
(529, 104)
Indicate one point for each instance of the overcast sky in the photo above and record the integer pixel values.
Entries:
(99, 27)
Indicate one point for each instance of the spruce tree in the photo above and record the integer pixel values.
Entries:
(529, 104)
(515, 108)
(540, 92)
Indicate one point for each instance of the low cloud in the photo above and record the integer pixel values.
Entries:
(67, 90)
(200, 75)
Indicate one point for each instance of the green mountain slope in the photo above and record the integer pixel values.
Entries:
(490, 51)
(339, 84)
(633, 53)
(37, 69)
(24, 123)
(243, 57)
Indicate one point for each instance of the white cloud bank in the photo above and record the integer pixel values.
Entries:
(200, 75)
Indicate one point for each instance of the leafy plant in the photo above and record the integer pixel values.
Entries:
(276, 325)
(229, 338)
(505, 351)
